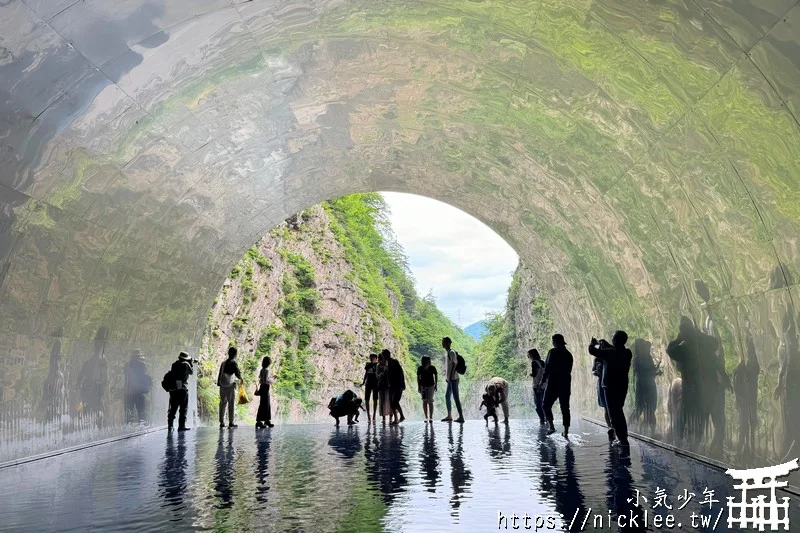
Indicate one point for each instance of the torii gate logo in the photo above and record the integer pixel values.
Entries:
(760, 512)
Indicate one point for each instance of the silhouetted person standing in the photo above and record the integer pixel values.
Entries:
(558, 375)
(264, 415)
(397, 384)
(229, 376)
(617, 359)
(745, 389)
(537, 373)
(451, 376)
(598, 369)
(645, 372)
(370, 384)
(179, 397)
(137, 384)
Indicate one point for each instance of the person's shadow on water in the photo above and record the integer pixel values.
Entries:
(172, 479)
(223, 477)
(263, 439)
(346, 442)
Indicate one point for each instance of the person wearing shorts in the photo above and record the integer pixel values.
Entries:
(370, 384)
(427, 383)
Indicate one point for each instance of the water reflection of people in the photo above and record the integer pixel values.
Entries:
(499, 447)
(460, 475)
(745, 389)
(93, 379)
(137, 384)
(172, 478)
(563, 484)
(262, 466)
(54, 389)
(223, 477)
(645, 371)
(392, 463)
(346, 443)
(429, 460)
(620, 483)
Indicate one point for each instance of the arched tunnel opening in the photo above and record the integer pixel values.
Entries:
(642, 159)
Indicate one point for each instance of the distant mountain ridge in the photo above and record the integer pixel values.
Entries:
(476, 330)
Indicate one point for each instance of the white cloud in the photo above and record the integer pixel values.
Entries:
(466, 264)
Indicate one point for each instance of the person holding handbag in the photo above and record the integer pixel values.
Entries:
(229, 376)
(264, 415)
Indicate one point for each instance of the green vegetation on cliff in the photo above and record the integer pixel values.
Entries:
(503, 347)
(272, 304)
(380, 269)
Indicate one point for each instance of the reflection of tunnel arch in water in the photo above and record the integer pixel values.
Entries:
(126, 202)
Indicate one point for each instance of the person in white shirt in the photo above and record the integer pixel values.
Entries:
(451, 376)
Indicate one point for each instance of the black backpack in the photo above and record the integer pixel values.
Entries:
(168, 383)
(461, 365)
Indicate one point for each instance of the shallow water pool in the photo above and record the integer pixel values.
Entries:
(416, 477)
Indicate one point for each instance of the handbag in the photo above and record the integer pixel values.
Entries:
(243, 399)
(257, 392)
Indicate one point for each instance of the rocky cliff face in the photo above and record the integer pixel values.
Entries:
(293, 298)
(317, 295)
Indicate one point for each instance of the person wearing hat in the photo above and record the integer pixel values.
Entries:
(137, 383)
(179, 397)
(558, 376)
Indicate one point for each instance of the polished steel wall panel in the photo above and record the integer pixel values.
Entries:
(625, 149)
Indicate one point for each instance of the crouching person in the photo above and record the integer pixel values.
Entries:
(346, 404)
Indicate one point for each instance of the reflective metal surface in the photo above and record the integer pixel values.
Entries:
(319, 478)
(625, 149)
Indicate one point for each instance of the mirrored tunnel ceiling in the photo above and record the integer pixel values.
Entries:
(623, 148)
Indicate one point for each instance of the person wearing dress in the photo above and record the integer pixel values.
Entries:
(383, 387)
(264, 415)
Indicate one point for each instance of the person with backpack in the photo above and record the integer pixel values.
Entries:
(558, 374)
(497, 388)
(229, 376)
(455, 365)
(177, 382)
(537, 373)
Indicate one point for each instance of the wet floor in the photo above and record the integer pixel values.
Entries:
(415, 477)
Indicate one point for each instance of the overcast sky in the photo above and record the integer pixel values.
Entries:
(467, 265)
